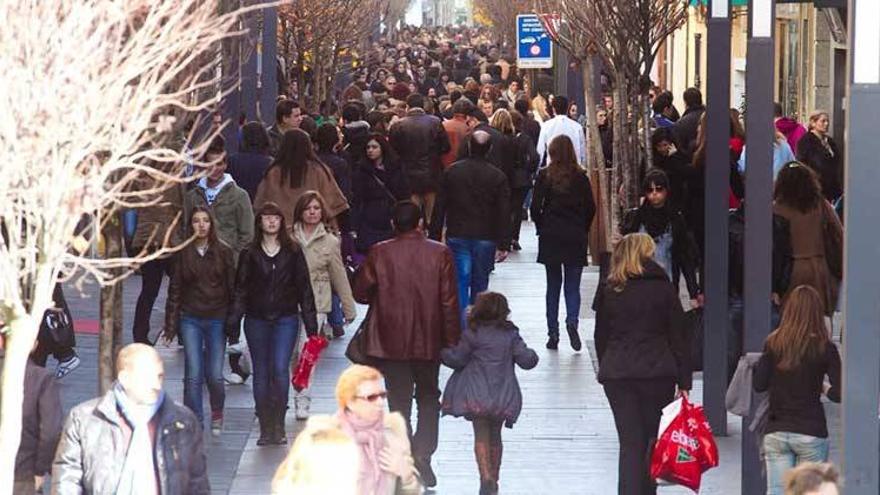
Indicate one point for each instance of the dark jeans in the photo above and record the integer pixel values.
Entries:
(336, 317)
(405, 380)
(637, 406)
(571, 276)
(474, 260)
(151, 280)
(517, 200)
(204, 344)
(271, 345)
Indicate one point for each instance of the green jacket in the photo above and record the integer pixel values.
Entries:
(232, 211)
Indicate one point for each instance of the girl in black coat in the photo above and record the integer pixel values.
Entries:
(377, 184)
(818, 151)
(676, 252)
(643, 354)
(563, 209)
(521, 175)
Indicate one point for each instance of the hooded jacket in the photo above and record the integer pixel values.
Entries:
(792, 130)
(232, 211)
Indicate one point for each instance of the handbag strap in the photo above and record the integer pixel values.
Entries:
(384, 188)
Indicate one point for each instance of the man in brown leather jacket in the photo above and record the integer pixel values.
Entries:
(409, 283)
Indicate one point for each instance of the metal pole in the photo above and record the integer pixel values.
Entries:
(716, 231)
(269, 75)
(759, 208)
(861, 343)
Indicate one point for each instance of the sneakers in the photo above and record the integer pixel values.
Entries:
(234, 378)
(573, 336)
(65, 367)
(301, 407)
(216, 423)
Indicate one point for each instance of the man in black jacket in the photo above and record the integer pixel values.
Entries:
(475, 207)
(419, 140)
(686, 127)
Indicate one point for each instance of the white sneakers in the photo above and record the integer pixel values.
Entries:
(301, 406)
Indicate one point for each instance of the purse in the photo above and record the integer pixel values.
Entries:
(57, 327)
(356, 352)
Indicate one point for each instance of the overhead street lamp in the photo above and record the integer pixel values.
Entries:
(759, 209)
(861, 343)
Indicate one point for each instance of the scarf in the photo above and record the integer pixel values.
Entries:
(655, 220)
(139, 468)
(212, 192)
(370, 439)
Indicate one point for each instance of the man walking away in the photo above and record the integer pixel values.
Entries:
(475, 207)
(686, 127)
(561, 124)
(409, 283)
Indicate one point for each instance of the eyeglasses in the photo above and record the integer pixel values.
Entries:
(373, 397)
(656, 189)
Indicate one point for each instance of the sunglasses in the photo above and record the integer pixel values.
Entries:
(373, 397)
(656, 189)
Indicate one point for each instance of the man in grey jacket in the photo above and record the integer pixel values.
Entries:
(133, 440)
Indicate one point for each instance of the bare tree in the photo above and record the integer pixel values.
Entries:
(501, 15)
(91, 89)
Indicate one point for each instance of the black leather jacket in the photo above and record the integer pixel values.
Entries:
(419, 140)
(91, 454)
(271, 288)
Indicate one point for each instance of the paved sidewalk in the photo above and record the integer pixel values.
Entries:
(564, 443)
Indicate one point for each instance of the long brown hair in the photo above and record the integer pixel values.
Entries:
(212, 233)
(797, 186)
(294, 154)
(270, 208)
(801, 335)
(563, 164)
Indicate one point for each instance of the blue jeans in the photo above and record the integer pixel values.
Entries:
(271, 345)
(204, 346)
(474, 260)
(571, 275)
(784, 450)
(336, 317)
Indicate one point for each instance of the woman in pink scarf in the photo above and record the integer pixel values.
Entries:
(380, 436)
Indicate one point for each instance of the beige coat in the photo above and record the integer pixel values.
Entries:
(396, 439)
(327, 272)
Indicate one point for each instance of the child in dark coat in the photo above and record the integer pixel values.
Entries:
(484, 389)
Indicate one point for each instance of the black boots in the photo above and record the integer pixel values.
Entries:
(553, 339)
(272, 427)
(279, 436)
(573, 336)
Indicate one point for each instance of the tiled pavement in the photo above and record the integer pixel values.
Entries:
(564, 442)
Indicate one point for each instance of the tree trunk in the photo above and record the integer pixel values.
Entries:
(20, 337)
(602, 228)
(110, 338)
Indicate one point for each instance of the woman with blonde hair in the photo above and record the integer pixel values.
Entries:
(386, 462)
(643, 354)
(323, 459)
(797, 357)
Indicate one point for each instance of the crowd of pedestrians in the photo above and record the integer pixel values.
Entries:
(405, 200)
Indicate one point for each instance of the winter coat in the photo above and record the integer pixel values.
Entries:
(41, 422)
(484, 383)
(232, 211)
(686, 129)
(526, 165)
(154, 222)
(420, 140)
(396, 439)
(373, 201)
(324, 257)
(456, 130)
(685, 253)
(808, 250)
(248, 170)
(409, 283)
(201, 286)
(792, 130)
(682, 177)
(562, 219)
(269, 288)
(341, 169)
(93, 446)
(782, 258)
(474, 200)
(640, 331)
(826, 162)
(532, 129)
(318, 177)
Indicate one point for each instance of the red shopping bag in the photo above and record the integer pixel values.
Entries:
(302, 372)
(685, 447)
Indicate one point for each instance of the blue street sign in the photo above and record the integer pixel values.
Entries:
(534, 47)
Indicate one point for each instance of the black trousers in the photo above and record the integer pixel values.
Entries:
(151, 280)
(517, 199)
(637, 406)
(405, 380)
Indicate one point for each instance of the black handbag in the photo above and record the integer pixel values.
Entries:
(356, 352)
(56, 328)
